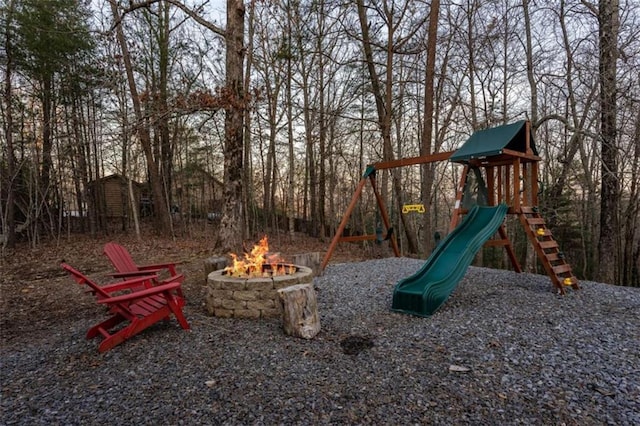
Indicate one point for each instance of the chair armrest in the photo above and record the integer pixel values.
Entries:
(134, 273)
(168, 265)
(140, 294)
(175, 278)
(123, 285)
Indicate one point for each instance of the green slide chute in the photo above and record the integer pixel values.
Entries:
(425, 291)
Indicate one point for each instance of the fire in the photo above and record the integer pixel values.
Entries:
(258, 263)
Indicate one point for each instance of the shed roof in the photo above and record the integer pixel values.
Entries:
(493, 141)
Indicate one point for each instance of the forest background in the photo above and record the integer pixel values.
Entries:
(274, 109)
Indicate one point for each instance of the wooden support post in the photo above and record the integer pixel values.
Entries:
(508, 196)
(534, 184)
(491, 185)
(510, 251)
(516, 184)
(526, 185)
(343, 224)
(500, 185)
(300, 310)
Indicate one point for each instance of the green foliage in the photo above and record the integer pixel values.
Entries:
(52, 35)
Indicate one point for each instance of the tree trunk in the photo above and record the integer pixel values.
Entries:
(529, 55)
(231, 231)
(162, 110)
(248, 189)
(291, 208)
(610, 187)
(47, 143)
(427, 133)
(384, 106)
(577, 122)
(631, 245)
(10, 224)
(161, 212)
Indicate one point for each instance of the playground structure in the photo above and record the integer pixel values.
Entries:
(500, 177)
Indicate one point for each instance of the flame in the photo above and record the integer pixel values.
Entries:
(258, 263)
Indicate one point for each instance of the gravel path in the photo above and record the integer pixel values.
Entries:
(504, 349)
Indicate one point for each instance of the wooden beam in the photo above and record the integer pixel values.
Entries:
(423, 159)
(343, 224)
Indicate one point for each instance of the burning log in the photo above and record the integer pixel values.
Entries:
(258, 262)
(300, 310)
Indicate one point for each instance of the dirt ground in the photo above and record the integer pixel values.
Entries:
(35, 292)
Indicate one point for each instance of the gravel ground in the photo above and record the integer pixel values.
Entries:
(504, 349)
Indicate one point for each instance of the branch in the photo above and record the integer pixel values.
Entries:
(564, 121)
(191, 13)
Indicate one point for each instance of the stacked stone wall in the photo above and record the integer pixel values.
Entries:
(230, 297)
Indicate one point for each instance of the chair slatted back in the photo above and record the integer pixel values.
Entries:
(120, 257)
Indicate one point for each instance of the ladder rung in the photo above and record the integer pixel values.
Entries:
(562, 268)
(553, 257)
(535, 221)
(548, 244)
(527, 209)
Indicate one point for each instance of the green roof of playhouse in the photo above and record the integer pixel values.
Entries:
(495, 140)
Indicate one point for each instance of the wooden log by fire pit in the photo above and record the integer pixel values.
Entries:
(300, 310)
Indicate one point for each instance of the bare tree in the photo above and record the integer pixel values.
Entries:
(383, 93)
(8, 214)
(427, 133)
(608, 13)
(232, 230)
(163, 219)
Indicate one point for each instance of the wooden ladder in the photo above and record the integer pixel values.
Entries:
(547, 249)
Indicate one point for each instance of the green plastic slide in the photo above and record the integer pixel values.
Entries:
(425, 291)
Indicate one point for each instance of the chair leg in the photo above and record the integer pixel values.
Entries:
(105, 325)
(111, 341)
(177, 311)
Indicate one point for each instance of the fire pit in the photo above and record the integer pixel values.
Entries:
(249, 287)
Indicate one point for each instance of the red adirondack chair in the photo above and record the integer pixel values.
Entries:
(127, 268)
(138, 308)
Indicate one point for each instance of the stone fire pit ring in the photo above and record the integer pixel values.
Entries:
(231, 297)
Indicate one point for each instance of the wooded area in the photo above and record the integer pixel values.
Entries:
(242, 117)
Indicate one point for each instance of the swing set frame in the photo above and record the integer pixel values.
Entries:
(370, 176)
(508, 155)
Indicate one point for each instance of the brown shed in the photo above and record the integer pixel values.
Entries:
(112, 195)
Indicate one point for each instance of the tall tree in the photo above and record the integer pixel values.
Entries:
(233, 99)
(232, 230)
(608, 13)
(51, 35)
(163, 219)
(8, 183)
(427, 133)
(383, 93)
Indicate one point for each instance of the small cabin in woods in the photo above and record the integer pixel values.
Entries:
(112, 196)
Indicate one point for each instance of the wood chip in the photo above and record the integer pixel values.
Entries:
(459, 368)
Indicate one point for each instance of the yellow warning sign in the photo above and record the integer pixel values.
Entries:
(413, 208)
